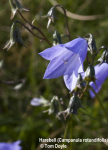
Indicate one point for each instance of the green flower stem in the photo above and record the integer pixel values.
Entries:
(71, 145)
(68, 31)
(101, 105)
(66, 130)
(84, 91)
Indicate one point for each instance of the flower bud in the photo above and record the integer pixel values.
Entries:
(80, 83)
(55, 105)
(50, 15)
(13, 8)
(74, 104)
(91, 44)
(19, 6)
(56, 38)
(90, 73)
(104, 57)
(15, 5)
(14, 37)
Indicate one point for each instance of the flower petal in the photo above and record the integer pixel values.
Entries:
(77, 45)
(83, 51)
(81, 69)
(58, 65)
(52, 52)
(17, 142)
(101, 73)
(73, 64)
(70, 78)
(70, 81)
(36, 102)
(10, 146)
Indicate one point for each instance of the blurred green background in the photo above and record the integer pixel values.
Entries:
(20, 120)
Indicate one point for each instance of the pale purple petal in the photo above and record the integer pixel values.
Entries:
(91, 94)
(101, 73)
(36, 102)
(10, 146)
(73, 64)
(70, 81)
(58, 65)
(77, 45)
(70, 78)
(81, 69)
(83, 51)
(52, 52)
(17, 142)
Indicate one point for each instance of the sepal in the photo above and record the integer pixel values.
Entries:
(56, 38)
(91, 43)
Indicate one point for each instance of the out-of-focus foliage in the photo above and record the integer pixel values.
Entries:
(20, 120)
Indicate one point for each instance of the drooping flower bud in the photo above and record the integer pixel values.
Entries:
(54, 106)
(104, 57)
(80, 83)
(74, 105)
(19, 6)
(13, 8)
(56, 38)
(91, 44)
(14, 37)
(15, 5)
(50, 15)
(90, 73)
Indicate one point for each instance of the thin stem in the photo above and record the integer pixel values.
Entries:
(29, 30)
(23, 18)
(45, 38)
(101, 105)
(68, 31)
(13, 82)
(87, 59)
(33, 27)
(66, 129)
(71, 135)
(84, 91)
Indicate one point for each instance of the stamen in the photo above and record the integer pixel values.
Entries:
(65, 61)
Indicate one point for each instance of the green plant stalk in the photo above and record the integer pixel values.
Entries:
(71, 145)
(66, 130)
(84, 91)
(101, 105)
